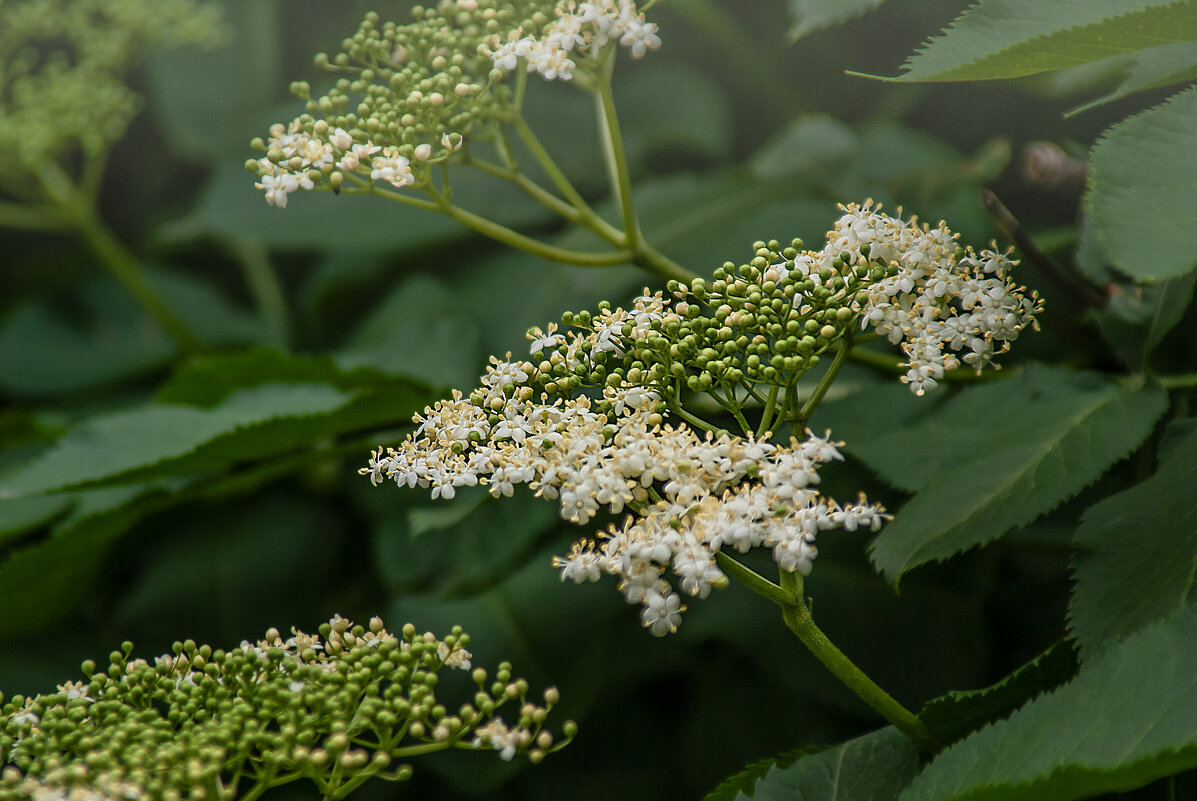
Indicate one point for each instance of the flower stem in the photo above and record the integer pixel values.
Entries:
(841, 355)
(586, 214)
(265, 288)
(767, 416)
(120, 262)
(1182, 381)
(797, 617)
(617, 162)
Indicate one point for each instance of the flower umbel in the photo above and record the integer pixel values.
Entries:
(603, 416)
(337, 707)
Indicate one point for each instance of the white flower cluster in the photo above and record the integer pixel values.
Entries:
(580, 29)
(940, 298)
(298, 160)
(689, 496)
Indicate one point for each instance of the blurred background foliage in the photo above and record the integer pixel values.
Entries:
(735, 134)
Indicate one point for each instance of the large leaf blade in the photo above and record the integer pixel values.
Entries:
(984, 466)
(815, 15)
(1143, 190)
(874, 767)
(1013, 38)
(1128, 718)
(164, 436)
(1137, 559)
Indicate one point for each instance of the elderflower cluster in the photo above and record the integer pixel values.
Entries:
(579, 30)
(689, 496)
(61, 85)
(408, 96)
(935, 298)
(583, 421)
(333, 707)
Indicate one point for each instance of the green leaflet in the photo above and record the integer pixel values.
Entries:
(813, 15)
(159, 439)
(997, 456)
(1142, 194)
(1011, 38)
(1128, 718)
(874, 767)
(1137, 550)
(1148, 69)
(958, 713)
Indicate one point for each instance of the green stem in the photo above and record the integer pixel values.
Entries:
(845, 347)
(112, 253)
(32, 218)
(751, 579)
(266, 289)
(617, 162)
(549, 200)
(1182, 381)
(675, 407)
(729, 403)
(767, 417)
(507, 236)
(564, 186)
(798, 619)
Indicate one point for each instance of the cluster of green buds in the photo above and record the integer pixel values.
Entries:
(408, 97)
(742, 326)
(751, 331)
(747, 336)
(337, 709)
(61, 68)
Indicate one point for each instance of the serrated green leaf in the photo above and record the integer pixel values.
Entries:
(1149, 69)
(1012, 38)
(1137, 551)
(958, 713)
(209, 379)
(741, 784)
(874, 767)
(983, 465)
(21, 515)
(1128, 718)
(813, 15)
(1143, 190)
(173, 439)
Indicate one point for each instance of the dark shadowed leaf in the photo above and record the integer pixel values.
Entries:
(1128, 718)
(874, 767)
(1137, 550)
